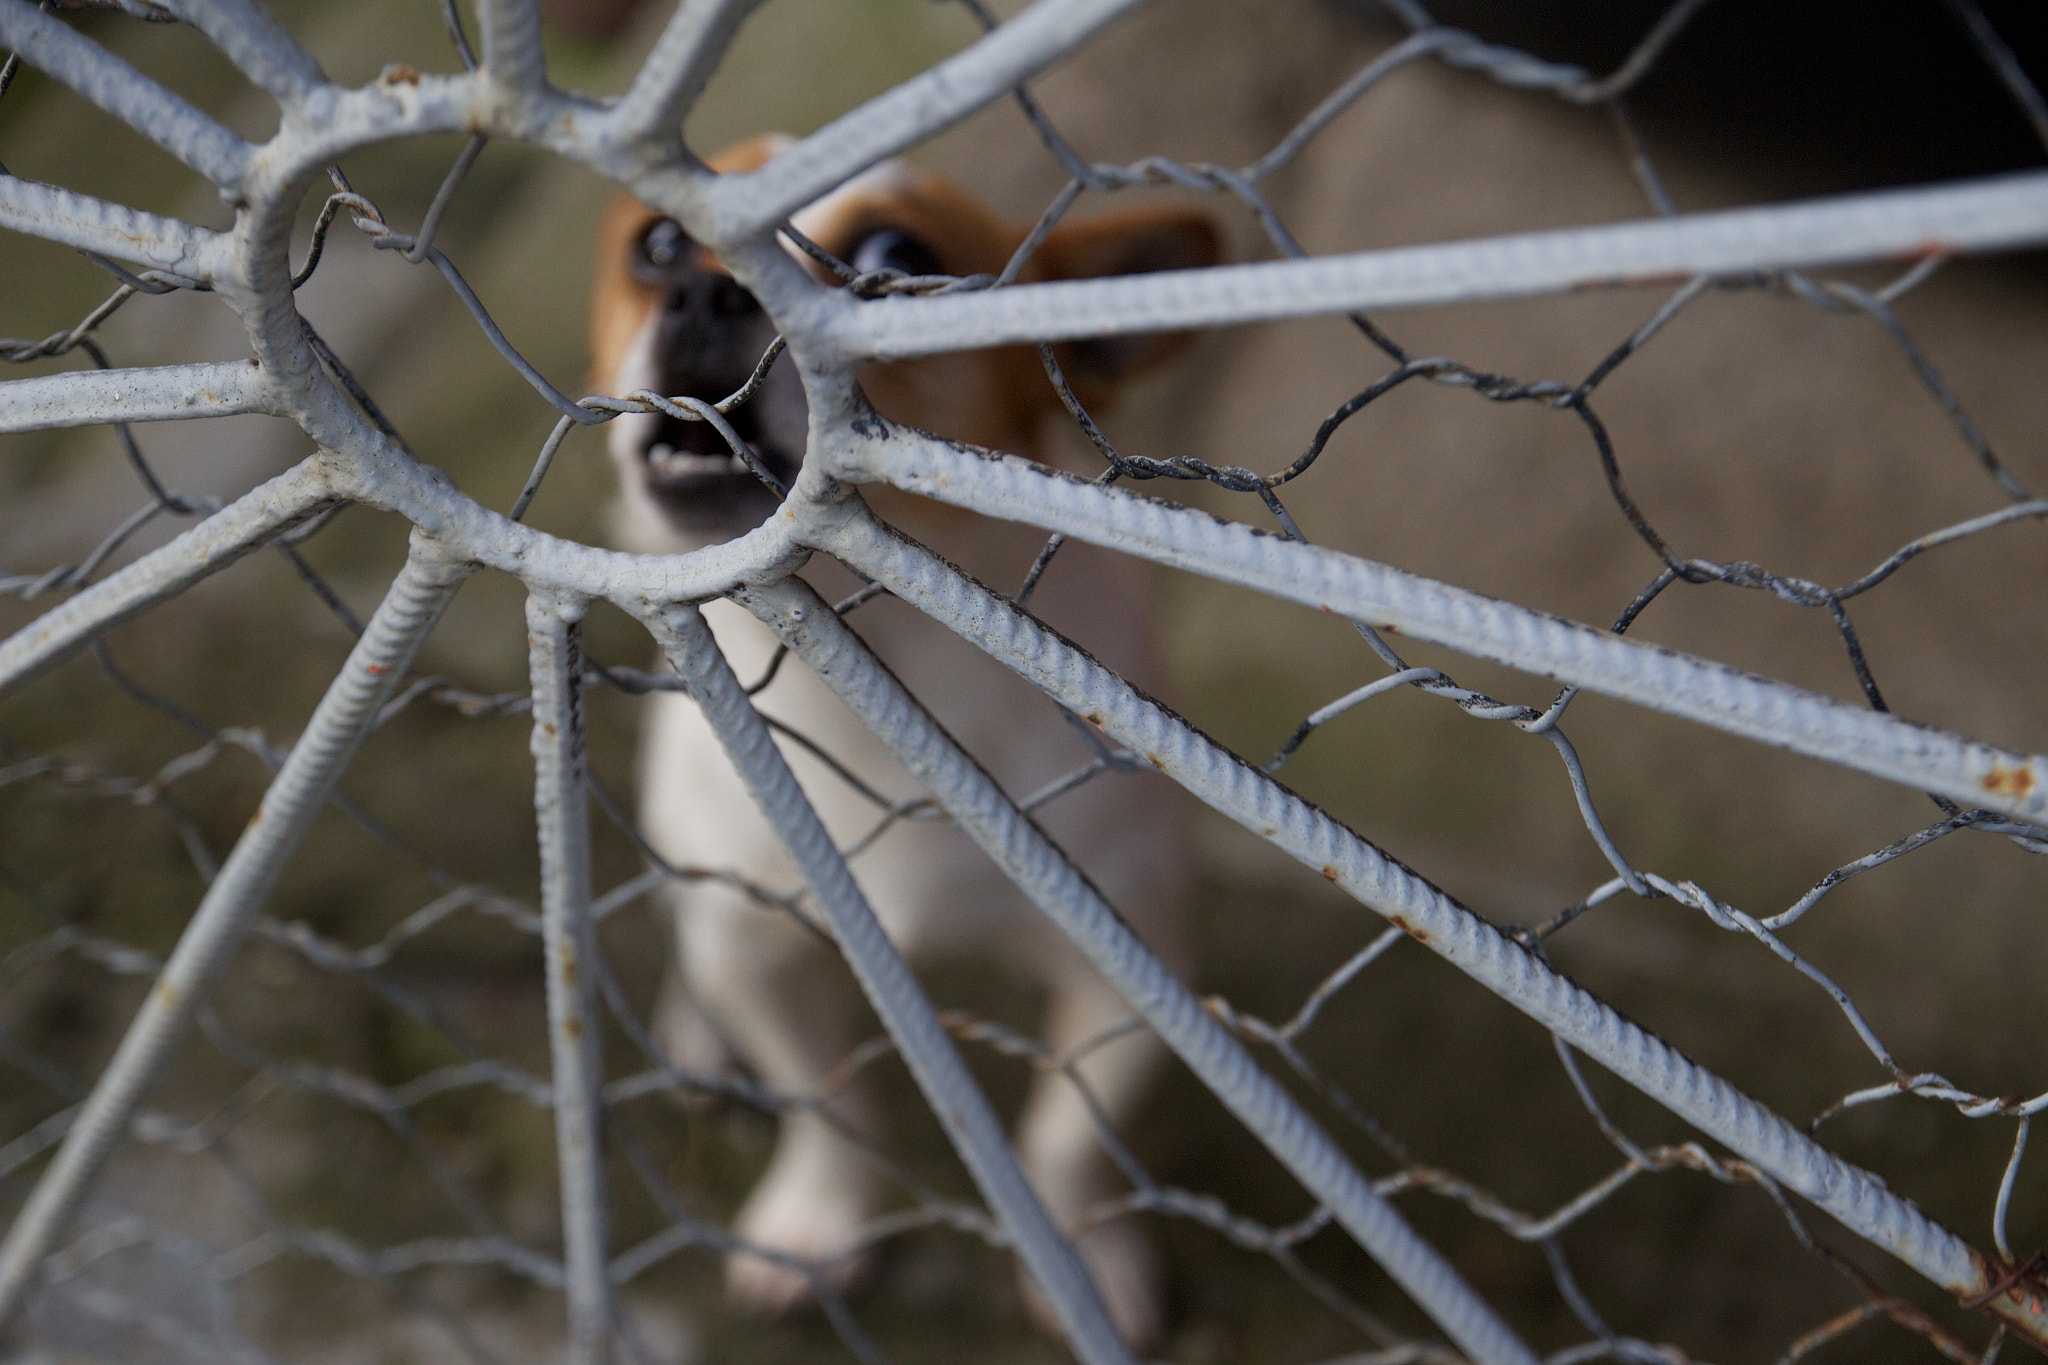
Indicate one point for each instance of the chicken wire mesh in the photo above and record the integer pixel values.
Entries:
(88, 1269)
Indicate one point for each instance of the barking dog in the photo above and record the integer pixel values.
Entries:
(756, 990)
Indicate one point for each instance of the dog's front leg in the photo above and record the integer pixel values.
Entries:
(1060, 1140)
(768, 992)
(788, 1006)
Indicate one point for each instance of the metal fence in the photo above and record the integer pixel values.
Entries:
(502, 91)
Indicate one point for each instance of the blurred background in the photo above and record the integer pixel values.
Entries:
(1757, 428)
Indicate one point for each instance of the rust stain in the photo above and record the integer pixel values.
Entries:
(1401, 922)
(1329, 873)
(1634, 281)
(166, 994)
(375, 670)
(572, 1027)
(2004, 781)
(398, 73)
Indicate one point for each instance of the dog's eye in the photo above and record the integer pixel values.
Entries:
(660, 249)
(894, 249)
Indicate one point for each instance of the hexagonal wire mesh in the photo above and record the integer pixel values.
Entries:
(503, 91)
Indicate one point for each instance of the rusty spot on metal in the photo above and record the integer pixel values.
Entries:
(1401, 922)
(2015, 782)
(1329, 873)
(572, 1027)
(2019, 1280)
(398, 73)
(166, 994)
(375, 670)
(1634, 281)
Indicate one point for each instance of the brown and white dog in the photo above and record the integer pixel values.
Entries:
(756, 990)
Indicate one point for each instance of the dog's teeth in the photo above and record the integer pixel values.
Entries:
(665, 461)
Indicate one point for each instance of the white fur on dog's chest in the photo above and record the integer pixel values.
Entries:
(930, 886)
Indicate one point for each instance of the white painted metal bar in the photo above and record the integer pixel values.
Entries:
(295, 796)
(257, 44)
(1648, 675)
(148, 239)
(677, 70)
(386, 479)
(742, 205)
(61, 52)
(569, 941)
(1852, 1196)
(807, 624)
(511, 43)
(2000, 213)
(163, 573)
(904, 1009)
(165, 393)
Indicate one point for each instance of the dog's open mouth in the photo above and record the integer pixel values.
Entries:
(684, 457)
(703, 481)
(709, 474)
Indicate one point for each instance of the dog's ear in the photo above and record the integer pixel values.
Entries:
(1135, 242)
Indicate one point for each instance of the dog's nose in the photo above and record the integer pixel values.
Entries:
(709, 296)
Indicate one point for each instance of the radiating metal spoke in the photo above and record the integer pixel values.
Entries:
(808, 626)
(1850, 1194)
(172, 393)
(891, 989)
(568, 935)
(1712, 694)
(337, 727)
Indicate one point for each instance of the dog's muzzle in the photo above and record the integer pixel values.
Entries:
(709, 335)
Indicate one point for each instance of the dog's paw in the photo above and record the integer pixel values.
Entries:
(1126, 1269)
(802, 1220)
